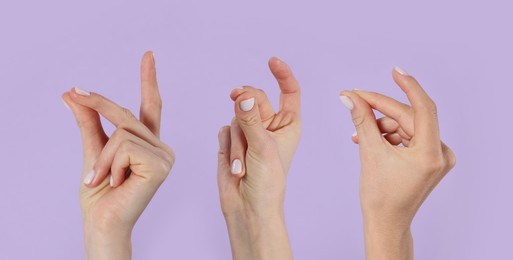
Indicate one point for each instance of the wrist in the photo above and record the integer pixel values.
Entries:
(254, 236)
(107, 242)
(387, 239)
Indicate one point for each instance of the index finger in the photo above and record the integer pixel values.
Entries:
(290, 97)
(151, 103)
(424, 109)
(117, 115)
(400, 112)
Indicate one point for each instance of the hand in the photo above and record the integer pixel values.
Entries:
(396, 179)
(111, 206)
(254, 157)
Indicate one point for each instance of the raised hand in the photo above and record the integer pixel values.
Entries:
(402, 160)
(121, 173)
(254, 157)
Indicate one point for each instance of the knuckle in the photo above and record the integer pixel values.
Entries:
(430, 106)
(163, 168)
(224, 130)
(450, 159)
(127, 114)
(125, 146)
(154, 102)
(169, 153)
(85, 124)
(98, 166)
(168, 156)
(158, 102)
(358, 120)
(433, 164)
(98, 102)
(221, 154)
(171, 158)
(261, 93)
(119, 134)
(250, 120)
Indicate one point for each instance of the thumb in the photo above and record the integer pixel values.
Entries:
(91, 130)
(363, 117)
(248, 117)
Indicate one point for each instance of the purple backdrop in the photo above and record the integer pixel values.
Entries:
(460, 51)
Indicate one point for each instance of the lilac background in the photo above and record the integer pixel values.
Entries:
(459, 50)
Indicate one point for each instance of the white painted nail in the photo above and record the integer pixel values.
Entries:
(355, 134)
(66, 104)
(89, 177)
(401, 71)
(247, 104)
(82, 92)
(236, 166)
(347, 102)
(111, 181)
(238, 88)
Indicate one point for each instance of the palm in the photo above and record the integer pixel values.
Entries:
(286, 134)
(107, 203)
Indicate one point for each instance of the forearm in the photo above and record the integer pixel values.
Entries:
(385, 240)
(254, 237)
(107, 244)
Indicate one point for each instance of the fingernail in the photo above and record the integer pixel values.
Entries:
(347, 102)
(401, 71)
(153, 56)
(66, 104)
(238, 88)
(236, 166)
(89, 177)
(355, 134)
(278, 58)
(82, 92)
(247, 104)
(111, 181)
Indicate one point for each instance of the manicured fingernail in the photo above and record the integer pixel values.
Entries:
(236, 166)
(401, 71)
(82, 92)
(355, 134)
(111, 181)
(153, 56)
(247, 104)
(238, 88)
(66, 104)
(89, 177)
(347, 102)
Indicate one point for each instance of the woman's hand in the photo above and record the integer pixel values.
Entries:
(121, 173)
(254, 157)
(396, 179)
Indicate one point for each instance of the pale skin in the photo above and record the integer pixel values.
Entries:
(252, 190)
(110, 202)
(402, 160)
